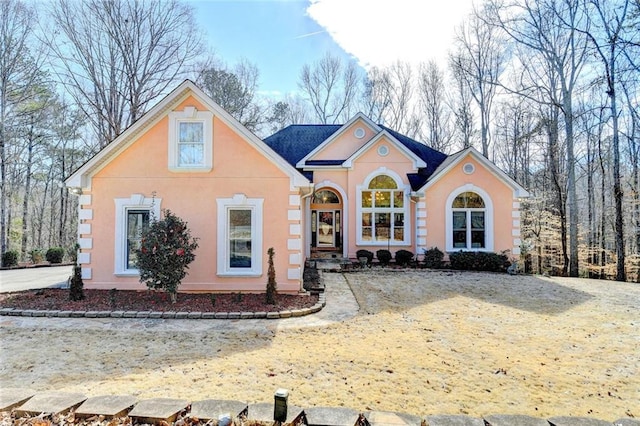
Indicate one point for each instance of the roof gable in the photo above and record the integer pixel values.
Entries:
(455, 159)
(359, 118)
(417, 161)
(81, 178)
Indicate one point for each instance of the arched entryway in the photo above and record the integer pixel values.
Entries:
(326, 220)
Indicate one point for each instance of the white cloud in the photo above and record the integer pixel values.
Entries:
(379, 32)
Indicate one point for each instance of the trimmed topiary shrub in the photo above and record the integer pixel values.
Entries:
(272, 285)
(433, 258)
(365, 253)
(76, 285)
(479, 261)
(55, 255)
(9, 258)
(403, 257)
(384, 257)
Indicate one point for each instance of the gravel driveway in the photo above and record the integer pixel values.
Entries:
(423, 342)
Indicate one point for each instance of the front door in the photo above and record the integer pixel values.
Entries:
(326, 229)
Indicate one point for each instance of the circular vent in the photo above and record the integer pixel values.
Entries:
(468, 168)
(383, 150)
(359, 133)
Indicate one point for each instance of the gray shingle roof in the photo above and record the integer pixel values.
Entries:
(294, 142)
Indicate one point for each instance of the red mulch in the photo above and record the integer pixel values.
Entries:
(146, 300)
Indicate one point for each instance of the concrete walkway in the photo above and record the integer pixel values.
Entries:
(34, 278)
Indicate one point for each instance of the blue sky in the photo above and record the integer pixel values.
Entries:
(280, 36)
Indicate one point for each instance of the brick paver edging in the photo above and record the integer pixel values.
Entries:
(168, 314)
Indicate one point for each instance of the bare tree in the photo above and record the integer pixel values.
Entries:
(19, 67)
(609, 26)
(331, 88)
(117, 57)
(460, 103)
(234, 89)
(432, 100)
(376, 96)
(547, 29)
(478, 59)
(291, 110)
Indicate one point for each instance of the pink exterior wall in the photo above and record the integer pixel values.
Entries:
(237, 168)
(502, 197)
(346, 144)
(370, 161)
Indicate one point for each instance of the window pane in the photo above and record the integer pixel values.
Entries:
(398, 199)
(460, 239)
(366, 219)
(191, 132)
(477, 220)
(240, 238)
(366, 199)
(383, 198)
(191, 154)
(468, 200)
(382, 182)
(398, 227)
(366, 233)
(477, 239)
(137, 221)
(383, 226)
(325, 197)
(459, 220)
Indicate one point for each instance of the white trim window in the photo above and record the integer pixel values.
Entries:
(190, 140)
(469, 221)
(133, 215)
(240, 236)
(383, 212)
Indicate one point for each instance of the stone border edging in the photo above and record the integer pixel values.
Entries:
(166, 314)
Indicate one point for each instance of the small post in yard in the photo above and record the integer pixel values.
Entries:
(280, 406)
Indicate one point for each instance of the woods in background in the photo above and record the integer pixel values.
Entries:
(549, 90)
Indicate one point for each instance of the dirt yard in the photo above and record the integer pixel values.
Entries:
(424, 342)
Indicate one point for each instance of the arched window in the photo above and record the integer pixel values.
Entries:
(325, 196)
(382, 212)
(468, 220)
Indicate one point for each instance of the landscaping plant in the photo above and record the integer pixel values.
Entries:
(76, 285)
(55, 255)
(271, 279)
(166, 250)
(9, 258)
(403, 257)
(384, 257)
(433, 258)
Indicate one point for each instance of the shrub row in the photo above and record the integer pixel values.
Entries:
(53, 255)
(403, 257)
(433, 258)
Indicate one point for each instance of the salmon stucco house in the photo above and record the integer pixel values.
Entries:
(307, 188)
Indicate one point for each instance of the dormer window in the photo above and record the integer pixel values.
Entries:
(190, 140)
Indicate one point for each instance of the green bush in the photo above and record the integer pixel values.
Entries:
(166, 250)
(365, 253)
(36, 256)
(76, 285)
(55, 255)
(9, 258)
(403, 257)
(272, 285)
(384, 256)
(433, 258)
(479, 261)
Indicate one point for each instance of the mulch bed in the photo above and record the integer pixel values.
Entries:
(147, 300)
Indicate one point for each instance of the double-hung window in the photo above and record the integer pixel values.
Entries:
(190, 140)
(133, 216)
(239, 236)
(469, 229)
(382, 213)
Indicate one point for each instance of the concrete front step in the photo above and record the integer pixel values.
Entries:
(157, 410)
(13, 397)
(50, 403)
(212, 409)
(109, 406)
(454, 420)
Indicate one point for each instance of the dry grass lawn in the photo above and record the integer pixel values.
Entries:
(424, 342)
